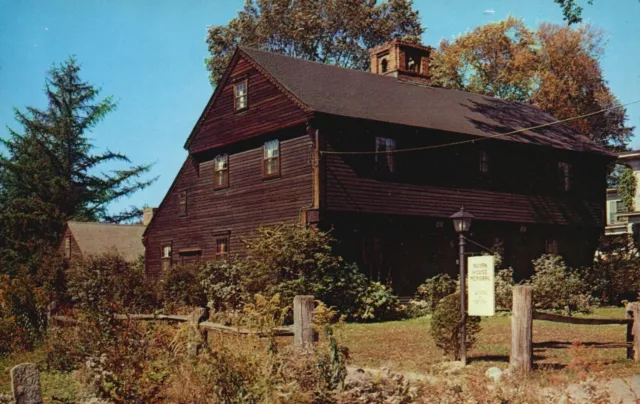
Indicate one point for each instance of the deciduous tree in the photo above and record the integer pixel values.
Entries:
(555, 68)
(338, 32)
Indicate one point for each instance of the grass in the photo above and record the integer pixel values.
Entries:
(56, 386)
(407, 346)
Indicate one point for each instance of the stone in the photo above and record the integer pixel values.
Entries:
(25, 383)
(634, 384)
(494, 374)
(621, 392)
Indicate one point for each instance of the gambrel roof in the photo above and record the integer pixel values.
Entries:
(351, 93)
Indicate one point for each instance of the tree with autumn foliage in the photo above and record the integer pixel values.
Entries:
(337, 32)
(556, 68)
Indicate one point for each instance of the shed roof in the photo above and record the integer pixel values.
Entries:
(357, 94)
(95, 238)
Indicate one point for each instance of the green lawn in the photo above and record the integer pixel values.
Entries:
(407, 345)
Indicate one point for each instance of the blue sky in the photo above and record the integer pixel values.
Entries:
(150, 56)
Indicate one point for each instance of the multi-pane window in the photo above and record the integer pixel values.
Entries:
(484, 162)
(240, 95)
(67, 247)
(385, 157)
(182, 202)
(166, 256)
(222, 246)
(564, 176)
(552, 247)
(221, 171)
(272, 158)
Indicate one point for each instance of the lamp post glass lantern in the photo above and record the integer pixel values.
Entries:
(462, 223)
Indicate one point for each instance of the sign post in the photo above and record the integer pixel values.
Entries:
(481, 284)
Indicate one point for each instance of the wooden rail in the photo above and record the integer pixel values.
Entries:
(522, 317)
(580, 320)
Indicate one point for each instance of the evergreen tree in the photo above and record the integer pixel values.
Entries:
(49, 172)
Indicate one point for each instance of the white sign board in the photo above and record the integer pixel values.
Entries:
(481, 284)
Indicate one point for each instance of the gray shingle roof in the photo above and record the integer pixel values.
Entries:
(357, 94)
(97, 238)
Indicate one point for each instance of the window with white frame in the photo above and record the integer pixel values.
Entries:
(166, 254)
(385, 156)
(271, 160)
(221, 171)
(240, 95)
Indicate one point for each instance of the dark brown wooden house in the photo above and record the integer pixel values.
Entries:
(383, 159)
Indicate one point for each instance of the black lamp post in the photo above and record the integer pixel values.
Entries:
(462, 223)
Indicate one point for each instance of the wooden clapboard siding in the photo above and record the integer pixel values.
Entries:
(269, 109)
(250, 201)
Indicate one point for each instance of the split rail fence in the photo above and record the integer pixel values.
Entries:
(523, 314)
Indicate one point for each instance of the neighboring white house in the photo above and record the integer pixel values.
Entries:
(619, 219)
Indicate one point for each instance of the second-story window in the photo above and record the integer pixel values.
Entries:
(484, 162)
(564, 176)
(271, 158)
(221, 171)
(385, 157)
(240, 95)
(182, 203)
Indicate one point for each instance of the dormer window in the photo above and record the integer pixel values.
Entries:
(240, 95)
(564, 176)
(221, 171)
(385, 157)
(412, 64)
(384, 65)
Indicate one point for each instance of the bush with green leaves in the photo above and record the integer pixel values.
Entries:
(559, 288)
(429, 294)
(446, 326)
(296, 260)
(224, 285)
(378, 303)
(180, 287)
(614, 274)
(22, 312)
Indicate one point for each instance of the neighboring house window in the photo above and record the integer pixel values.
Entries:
(182, 201)
(484, 162)
(272, 158)
(240, 95)
(221, 171)
(384, 157)
(67, 247)
(166, 256)
(564, 175)
(222, 246)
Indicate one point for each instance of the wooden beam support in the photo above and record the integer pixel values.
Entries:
(522, 329)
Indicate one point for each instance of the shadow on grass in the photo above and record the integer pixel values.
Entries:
(496, 358)
(567, 344)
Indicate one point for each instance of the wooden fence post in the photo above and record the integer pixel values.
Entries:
(633, 331)
(25, 383)
(195, 336)
(522, 329)
(303, 332)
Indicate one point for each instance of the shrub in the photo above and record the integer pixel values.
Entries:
(180, 287)
(22, 312)
(559, 288)
(296, 260)
(223, 284)
(446, 326)
(614, 275)
(431, 292)
(504, 289)
(378, 303)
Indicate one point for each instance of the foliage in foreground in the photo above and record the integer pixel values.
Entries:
(559, 288)
(446, 326)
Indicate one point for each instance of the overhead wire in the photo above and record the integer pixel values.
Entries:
(493, 136)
